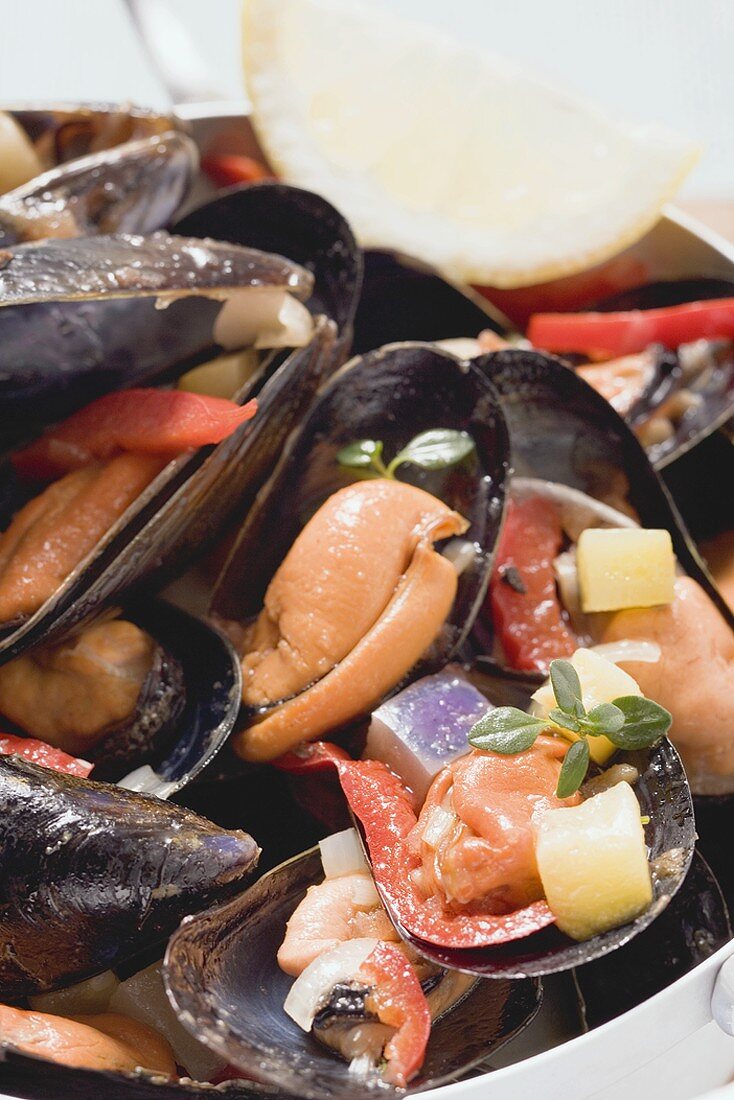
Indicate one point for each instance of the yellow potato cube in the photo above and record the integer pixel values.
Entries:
(601, 682)
(593, 863)
(624, 567)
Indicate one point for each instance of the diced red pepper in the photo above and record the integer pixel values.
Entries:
(397, 999)
(145, 421)
(384, 808)
(225, 169)
(627, 332)
(523, 601)
(46, 755)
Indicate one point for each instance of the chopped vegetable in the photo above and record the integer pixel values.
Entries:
(632, 331)
(145, 421)
(424, 727)
(46, 755)
(223, 376)
(341, 854)
(625, 567)
(593, 863)
(226, 169)
(397, 999)
(523, 601)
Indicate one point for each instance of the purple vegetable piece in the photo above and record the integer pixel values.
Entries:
(425, 727)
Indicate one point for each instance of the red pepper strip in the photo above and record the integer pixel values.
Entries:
(46, 755)
(632, 331)
(529, 625)
(225, 169)
(384, 808)
(397, 999)
(146, 421)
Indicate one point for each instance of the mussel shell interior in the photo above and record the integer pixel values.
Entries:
(665, 797)
(391, 394)
(222, 976)
(213, 685)
(406, 299)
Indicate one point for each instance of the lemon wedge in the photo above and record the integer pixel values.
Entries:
(452, 155)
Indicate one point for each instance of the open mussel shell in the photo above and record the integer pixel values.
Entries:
(712, 387)
(562, 430)
(187, 708)
(64, 131)
(93, 874)
(665, 797)
(391, 394)
(135, 188)
(407, 299)
(184, 509)
(57, 355)
(223, 978)
(276, 217)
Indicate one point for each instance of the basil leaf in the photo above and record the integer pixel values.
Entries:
(361, 453)
(604, 719)
(567, 687)
(506, 730)
(566, 721)
(436, 449)
(645, 723)
(574, 768)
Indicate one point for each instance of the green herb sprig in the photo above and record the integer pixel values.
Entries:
(435, 449)
(630, 722)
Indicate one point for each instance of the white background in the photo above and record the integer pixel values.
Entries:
(668, 61)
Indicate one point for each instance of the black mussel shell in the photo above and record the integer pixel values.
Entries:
(714, 386)
(183, 510)
(391, 394)
(665, 797)
(93, 874)
(276, 217)
(562, 430)
(222, 977)
(135, 188)
(158, 266)
(63, 131)
(693, 927)
(56, 356)
(406, 299)
(186, 710)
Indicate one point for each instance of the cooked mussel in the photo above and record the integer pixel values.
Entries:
(93, 874)
(183, 508)
(562, 432)
(690, 391)
(390, 395)
(154, 693)
(135, 188)
(222, 976)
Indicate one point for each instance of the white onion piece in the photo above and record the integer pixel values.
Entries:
(262, 317)
(463, 347)
(19, 161)
(577, 510)
(629, 649)
(146, 781)
(439, 823)
(364, 892)
(87, 997)
(313, 986)
(342, 854)
(461, 553)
